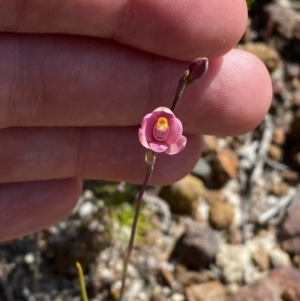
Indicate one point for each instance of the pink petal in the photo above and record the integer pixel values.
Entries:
(177, 147)
(147, 126)
(143, 139)
(158, 147)
(144, 121)
(175, 131)
(163, 109)
(163, 112)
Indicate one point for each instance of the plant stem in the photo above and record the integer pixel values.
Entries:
(149, 171)
(81, 282)
(180, 88)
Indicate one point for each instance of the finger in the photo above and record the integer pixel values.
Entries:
(178, 29)
(29, 154)
(64, 82)
(30, 207)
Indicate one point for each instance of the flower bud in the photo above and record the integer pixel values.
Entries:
(198, 68)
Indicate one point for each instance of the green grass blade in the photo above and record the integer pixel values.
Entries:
(84, 296)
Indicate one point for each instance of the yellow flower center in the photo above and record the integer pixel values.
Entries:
(162, 124)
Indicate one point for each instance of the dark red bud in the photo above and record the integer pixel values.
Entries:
(198, 68)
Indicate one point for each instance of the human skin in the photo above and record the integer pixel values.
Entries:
(77, 77)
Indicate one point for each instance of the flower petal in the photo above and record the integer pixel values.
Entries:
(158, 147)
(163, 112)
(143, 140)
(175, 131)
(177, 147)
(144, 121)
(147, 126)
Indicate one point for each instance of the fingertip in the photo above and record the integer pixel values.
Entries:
(231, 99)
(32, 206)
(258, 93)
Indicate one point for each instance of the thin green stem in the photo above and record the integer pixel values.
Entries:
(84, 296)
(149, 171)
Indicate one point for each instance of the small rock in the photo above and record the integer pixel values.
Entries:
(279, 258)
(214, 196)
(235, 236)
(224, 165)
(232, 288)
(290, 176)
(106, 275)
(296, 159)
(285, 19)
(291, 223)
(188, 278)
(233, 261)
(210, 291)
(292, 70)
(279, 87)
(177, 297)
(164, 277)
(288, 279)
(210, 144)
(29, 258)
(296, 98)
(183, 196)
(275, 152)
(296, 260)
(203, 169)
(291, 246)
(267, 54)
(86, 209)
(94, 286)
(279, 189)
(261, 259)
(221, 215)
(158, 295)
(197, 247)
(279, 136)
(261, 290)
(88, 195)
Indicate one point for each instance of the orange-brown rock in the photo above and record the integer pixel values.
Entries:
(213, 196)
(275, 152)
(279, 136)
(261, 259)
(220, 215)
(210, 144)
(183, 196)
(225, 166)
(279, 189)
(210, 291)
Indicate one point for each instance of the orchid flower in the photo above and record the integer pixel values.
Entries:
(161, 132)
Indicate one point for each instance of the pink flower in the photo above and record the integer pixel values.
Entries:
(161, 131)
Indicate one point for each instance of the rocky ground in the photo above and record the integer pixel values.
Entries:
(228, 231)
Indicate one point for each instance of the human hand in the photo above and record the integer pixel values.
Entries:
(77, 77)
